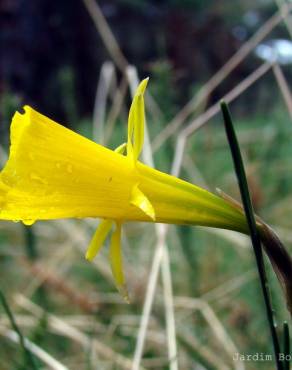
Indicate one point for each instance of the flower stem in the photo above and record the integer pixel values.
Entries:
(33, 255)
(255, 238)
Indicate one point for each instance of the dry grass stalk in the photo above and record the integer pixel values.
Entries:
(76, 335)
(283, 87)
(39, 352)
(160, 259)
(105, 32)
(220, 76)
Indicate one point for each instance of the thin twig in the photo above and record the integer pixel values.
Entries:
(102, 91)
(286, 19)
(214, 323)
(160, 259)
(229, 286)
(149, 296)
(283, 86)
(116, 108)
(208, 356)
(218, 77)
(211, 112)
(229, 97)
(106, 33)
(69, 331)
(52, 279)
(26, 351)
(42, 355)
(169, 312)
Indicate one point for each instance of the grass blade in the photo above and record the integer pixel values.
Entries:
(286, 346)
(27, 355)
(248, 209)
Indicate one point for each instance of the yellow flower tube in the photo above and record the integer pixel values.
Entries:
(52, 172)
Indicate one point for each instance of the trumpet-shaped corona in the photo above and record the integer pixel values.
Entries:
(52, 173)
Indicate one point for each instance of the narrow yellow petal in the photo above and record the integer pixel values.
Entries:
(117, 262)
(136, 122)
(139, 127)
(140, 91)
(98, 239)
(139, 199)
(142, 86)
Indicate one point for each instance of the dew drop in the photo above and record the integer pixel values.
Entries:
(38, 179)
(28, 222)
(69, 168)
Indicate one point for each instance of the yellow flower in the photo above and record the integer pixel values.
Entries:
(54, 173)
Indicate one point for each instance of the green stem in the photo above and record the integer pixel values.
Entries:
(28, 356)
(255, 238)
(30, 243)
(32, 254)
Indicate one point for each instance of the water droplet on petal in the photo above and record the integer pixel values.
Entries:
(28, 222)
(38, 179)
(69, 168)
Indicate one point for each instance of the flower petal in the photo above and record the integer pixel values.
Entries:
(139, 199)
(117, 262)
(98, 239)
(53, 172)
(136, 122)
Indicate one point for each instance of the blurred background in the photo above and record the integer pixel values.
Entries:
(195, 299)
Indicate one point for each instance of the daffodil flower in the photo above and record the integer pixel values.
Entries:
(52, 172)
